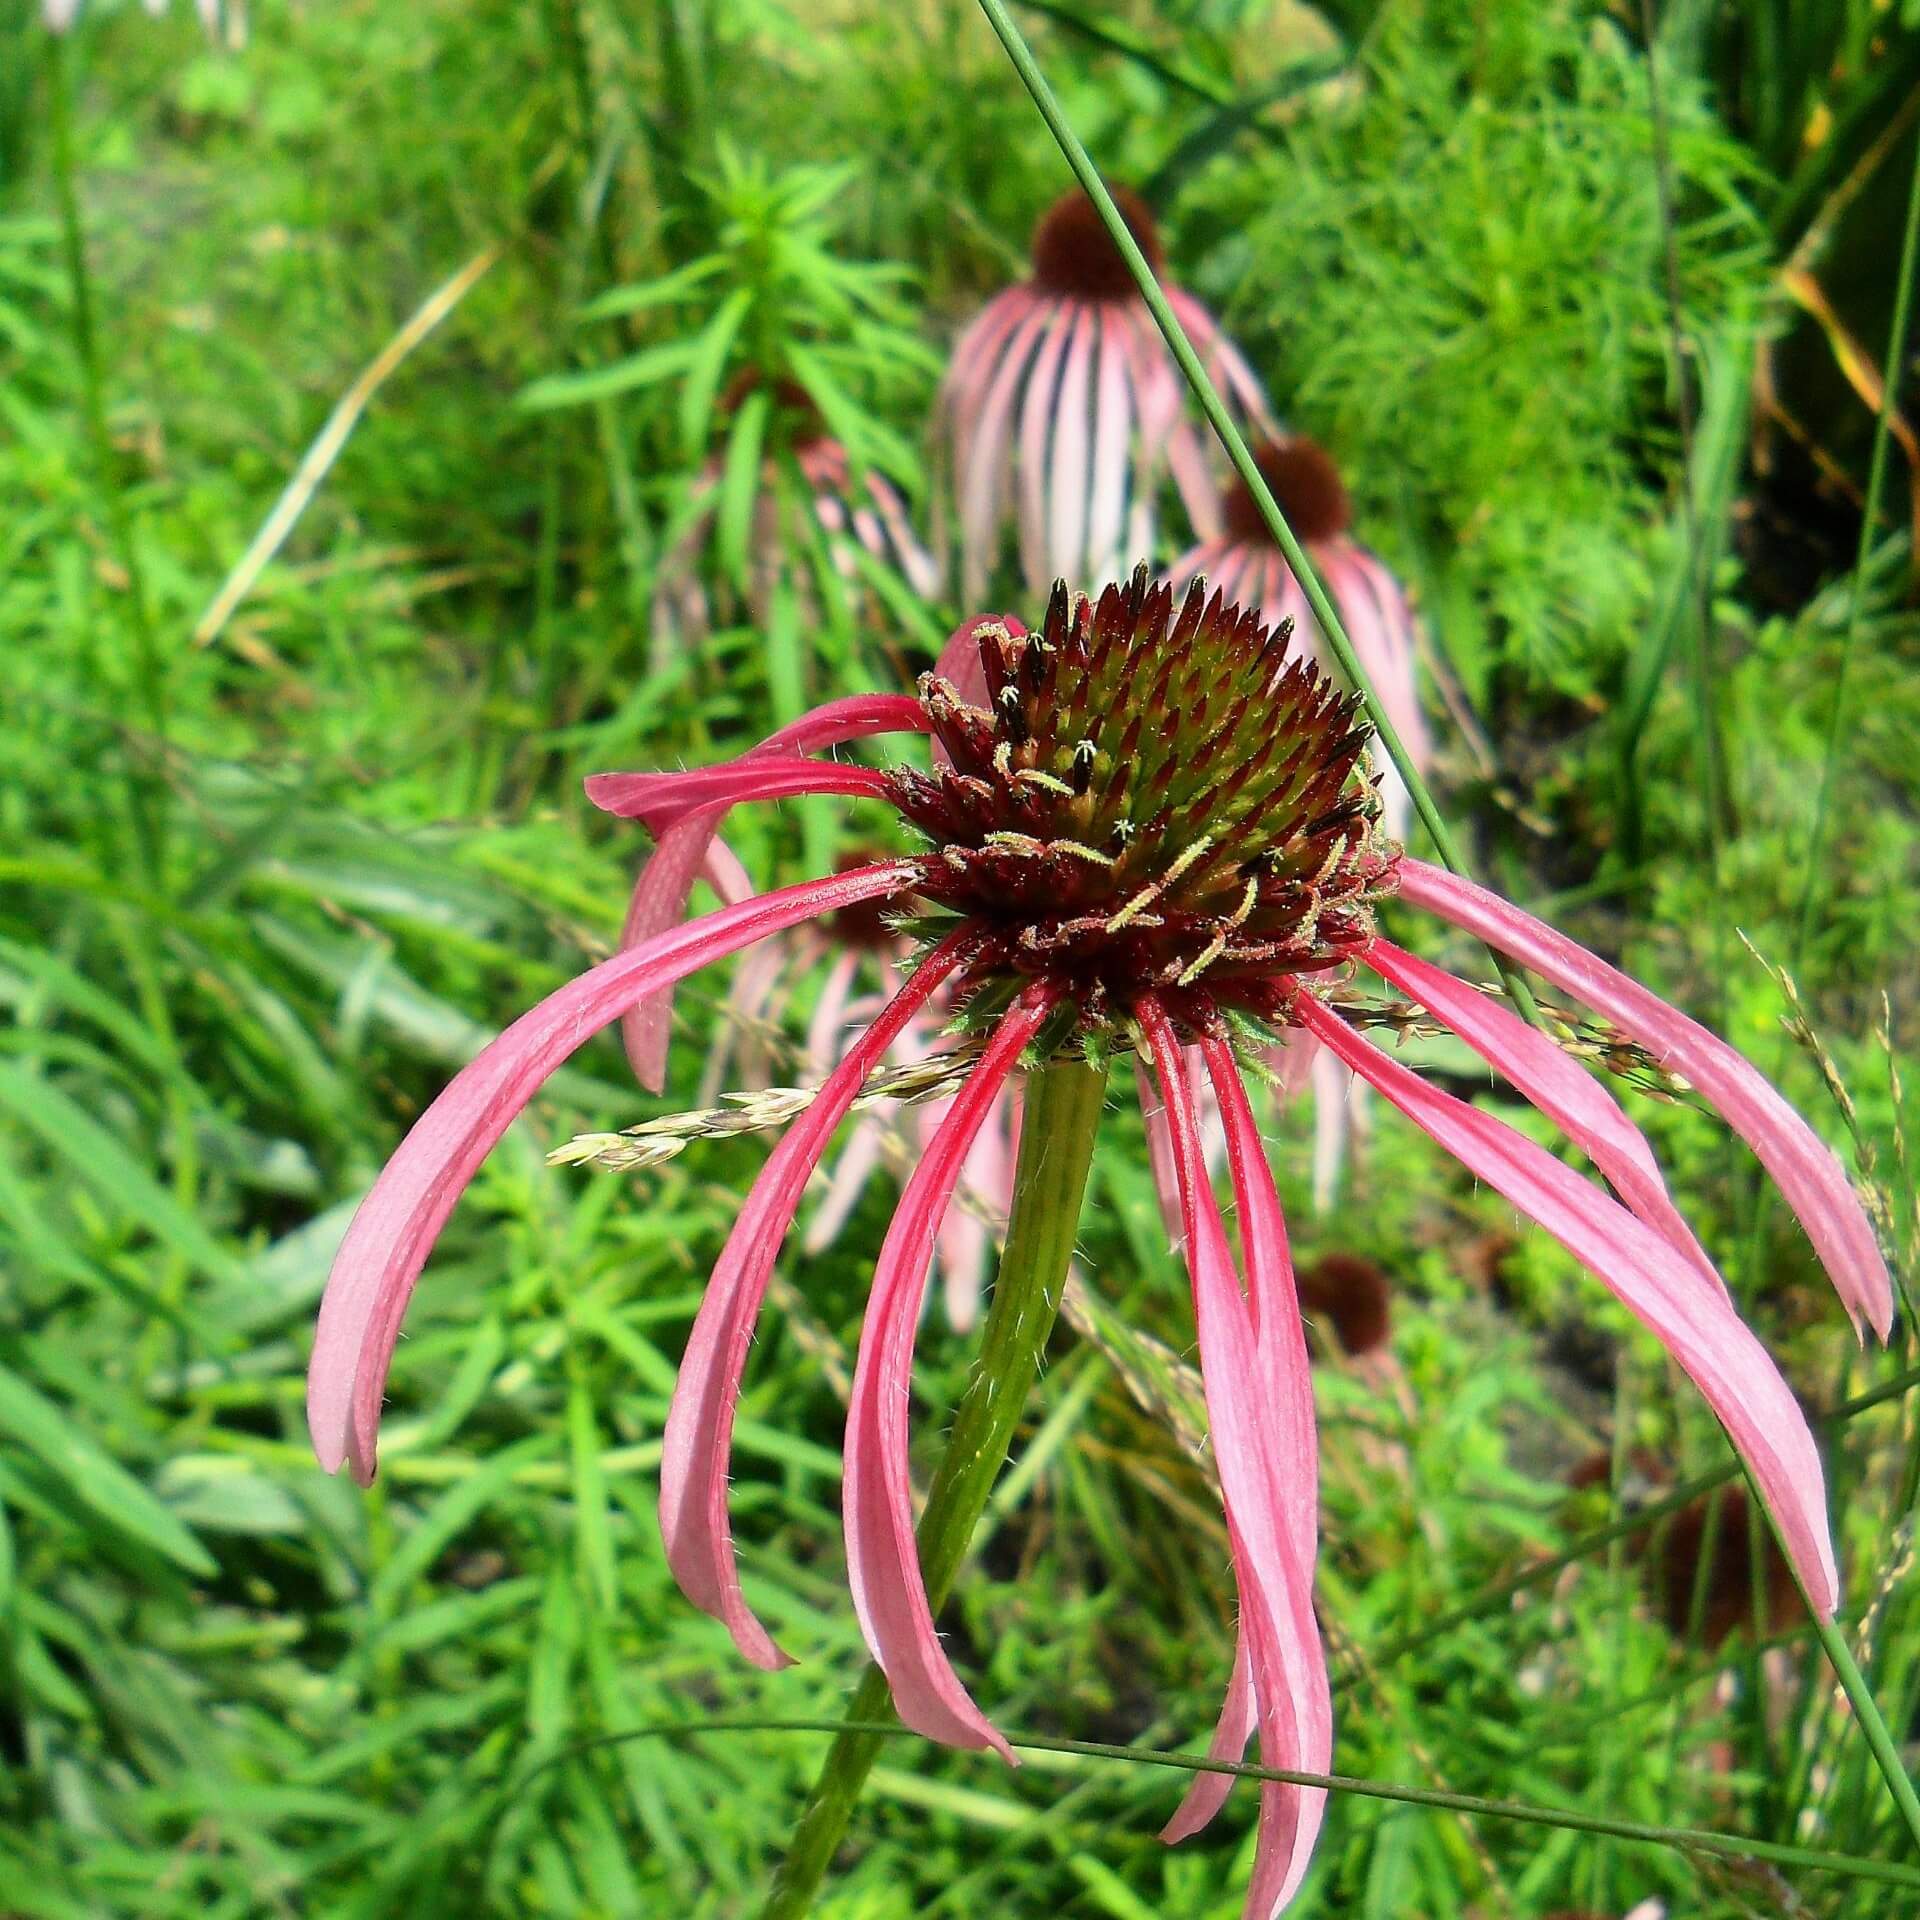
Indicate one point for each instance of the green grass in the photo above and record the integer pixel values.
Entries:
(248, 928)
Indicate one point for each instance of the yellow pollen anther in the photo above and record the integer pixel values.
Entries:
(1079, 851)
(1188, 856)
(1135, 907)
(1209, 954)
(1023, 844)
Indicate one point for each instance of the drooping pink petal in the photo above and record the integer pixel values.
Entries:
(883, 1563)
(665, 879)
(1333, 1095)
(1660, 1286)
(1112, 452)
(754, 1006)
(983, 479)
(1069, 483)
(1568, 1095)
(1039, 421)
(1286, 1383)
(1225, 363)
(661, 799)
(976, 359)
(697, 1446)
(865, 1148)
(830, 1010)
(1194, 479)
(1254, 1429)
(722, 871)
(1273, 1301)
(909, 558)
(397, 1223)
(1803, 1167)
(1239, 1716)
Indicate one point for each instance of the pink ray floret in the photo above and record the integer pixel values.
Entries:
(396, 1225)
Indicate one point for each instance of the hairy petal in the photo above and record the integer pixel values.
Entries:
(1254, 1423)
(1566, 1093)
(698, 1443)
(1804, 1168)
(1662, 1288)
(397, 1223)
(666, 878)
(883, 1562)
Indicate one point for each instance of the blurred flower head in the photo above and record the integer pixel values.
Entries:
(1063, 410)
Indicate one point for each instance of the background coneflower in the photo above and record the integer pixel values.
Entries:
(1063, 410)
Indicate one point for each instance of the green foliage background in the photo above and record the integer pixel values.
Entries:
(259, 896)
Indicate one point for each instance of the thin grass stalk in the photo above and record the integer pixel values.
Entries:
(1693, 1840)
(147, 796)
(1062, 1116)
(1238, 452)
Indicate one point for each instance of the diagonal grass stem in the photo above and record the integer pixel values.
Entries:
(1694, 1840)
(1239, 453)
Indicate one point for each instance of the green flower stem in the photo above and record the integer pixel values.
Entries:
(1866, 1710)
(1238, 452)
(1061, 1118)
(148, 797)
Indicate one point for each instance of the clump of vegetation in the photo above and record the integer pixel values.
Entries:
(277, 861)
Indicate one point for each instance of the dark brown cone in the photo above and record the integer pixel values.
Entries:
(1351, 1295)
(789, 398)
(1074, 255)
(1153, 799)
(1729, 1598)
(1305, 484)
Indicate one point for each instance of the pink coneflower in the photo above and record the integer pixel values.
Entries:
(1063, 408)
(863, 513)
(1151, 831)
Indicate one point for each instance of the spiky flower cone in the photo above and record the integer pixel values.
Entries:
(1151, 801)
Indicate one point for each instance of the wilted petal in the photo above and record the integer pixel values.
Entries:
(864, 1149)
(883, 1562)
(983, 476)
(1069, 485)
(1039, 422)
(1231, 1732)
(1112, 449)
(1568, 1095)
(698, 1444)
(1254, 1417)
(1807, 1173)
(397, 1223)
(1660, 1286)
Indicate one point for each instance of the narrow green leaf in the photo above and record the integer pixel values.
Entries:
(103, 1163)
(92, 1477)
